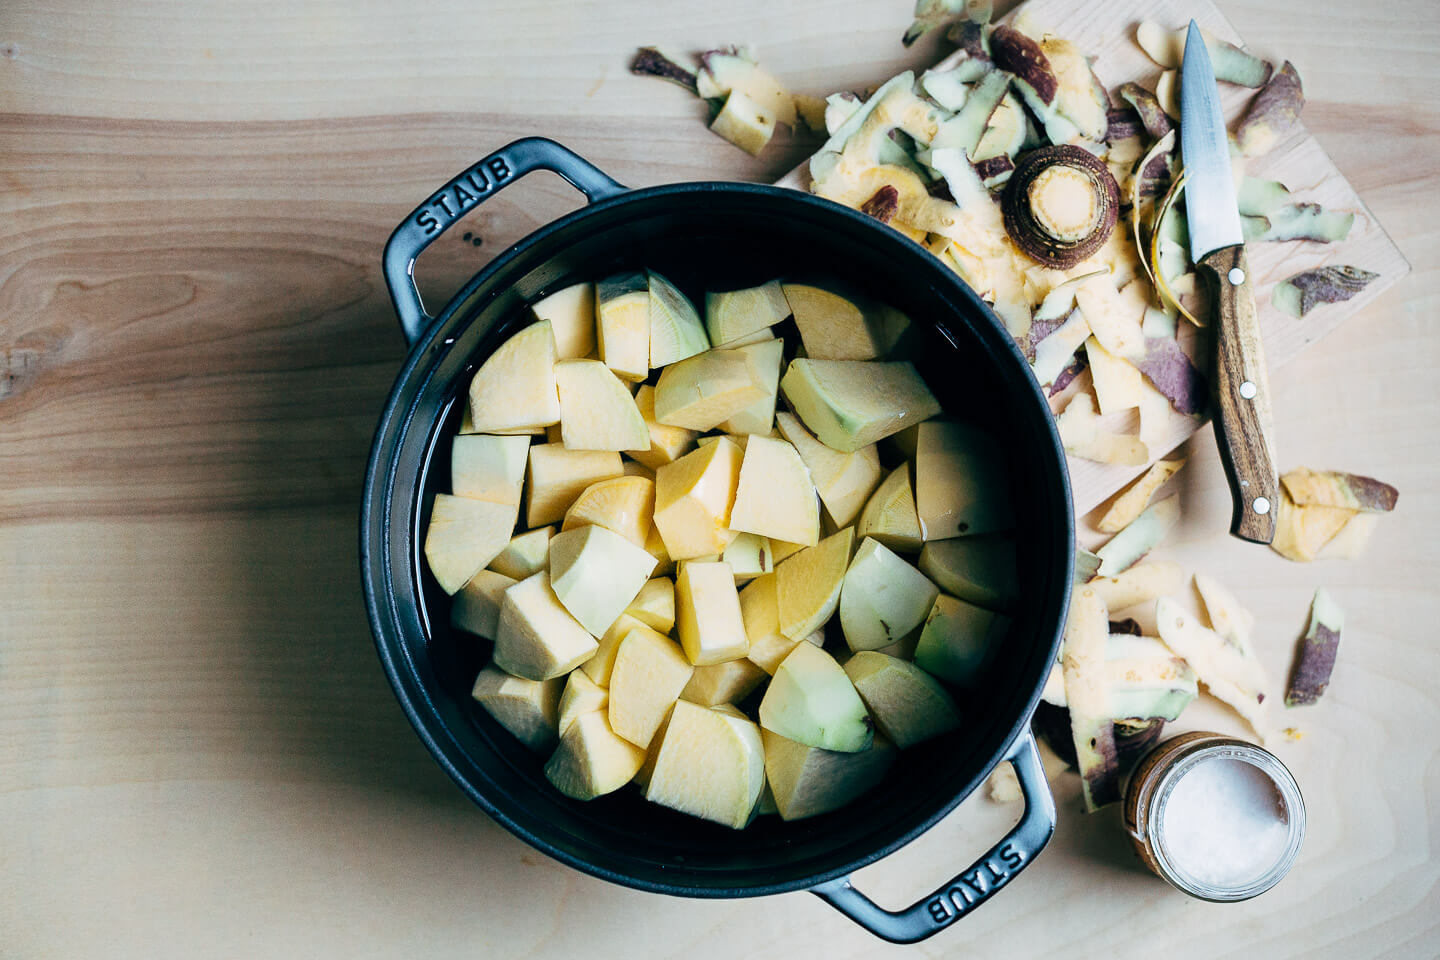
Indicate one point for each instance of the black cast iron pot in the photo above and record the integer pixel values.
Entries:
(709, 234)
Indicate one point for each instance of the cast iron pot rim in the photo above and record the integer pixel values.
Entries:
(393, 418)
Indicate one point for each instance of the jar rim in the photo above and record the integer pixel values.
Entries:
(1285, 785)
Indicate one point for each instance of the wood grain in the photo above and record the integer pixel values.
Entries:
(1240, 382)
(199, 756)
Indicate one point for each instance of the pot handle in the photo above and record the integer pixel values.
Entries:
(467, 190)
(977, 882)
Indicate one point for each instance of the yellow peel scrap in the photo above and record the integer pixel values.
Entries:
(1161, 285)
(1164, 145)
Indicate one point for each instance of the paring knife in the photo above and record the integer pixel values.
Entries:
(1243, 420)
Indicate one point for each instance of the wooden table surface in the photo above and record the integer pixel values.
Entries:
(199, 756)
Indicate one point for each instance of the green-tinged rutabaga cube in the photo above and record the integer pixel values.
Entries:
(764, 360)
(527, 554)
(515, 388)
(703, 391)
(744, 123)
(476, 607)
(889, 515)
(649, 673)
(728, 682)
(775, 497)
(622, 309)
(749, 556)
(833, 327)
(1129, 546)
(980, 570)
(707, 611)
(654, 605)
(958, 639)
(484, 467)
(844, 481)
(904, 648)
(810, 700)
(596, 573)
(581, 695)
(883, 598)
(557, 476)
(959, 482)
(667, 444)
(675, 329)
(536, 637)
(908, 705)
(807, 781)
(527, 708)
(739, 313)
(591, 760)
(848, 404)
(597, 411)
(463, 536)
(807, 584)
(711, 764)
(571, 313)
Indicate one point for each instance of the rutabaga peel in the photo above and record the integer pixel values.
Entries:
(1301, 532)
(1304, 291)
(1332, 488)
(1316, 658)
(1139, 537)
(1272, 114)
(1232, 675)
(1082, 436)
(1232, 622)
(1142, 583)
(1087, 696)
(1136, 497)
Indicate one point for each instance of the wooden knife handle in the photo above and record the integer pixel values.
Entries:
(1244, 424)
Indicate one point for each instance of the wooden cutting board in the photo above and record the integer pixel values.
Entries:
(1105, 30)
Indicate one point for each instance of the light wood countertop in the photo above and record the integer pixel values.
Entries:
(199, 755)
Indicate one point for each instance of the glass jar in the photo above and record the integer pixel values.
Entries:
(1217, 817)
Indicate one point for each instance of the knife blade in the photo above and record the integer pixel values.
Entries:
(1241, 386)
(1211, 211)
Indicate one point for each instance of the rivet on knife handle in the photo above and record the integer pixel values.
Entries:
(1244, 424)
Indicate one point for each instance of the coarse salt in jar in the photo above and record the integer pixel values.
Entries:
(1219, 818)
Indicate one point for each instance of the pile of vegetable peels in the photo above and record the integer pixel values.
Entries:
(1013, 165)
(1115, 685)
(1063, 207)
